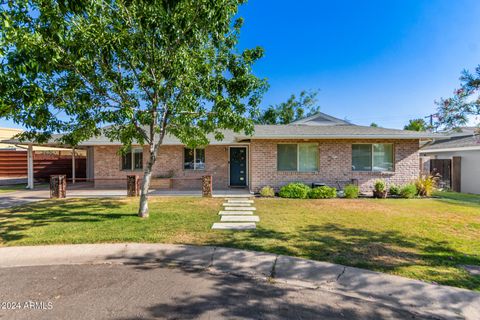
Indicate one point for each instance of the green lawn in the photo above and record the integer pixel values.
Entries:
(425, 239)
(466, 197)
(11, 188)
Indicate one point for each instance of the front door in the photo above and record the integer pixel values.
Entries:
(238, 166)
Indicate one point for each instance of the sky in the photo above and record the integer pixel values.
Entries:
(373, 61)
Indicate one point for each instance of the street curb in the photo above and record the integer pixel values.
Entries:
(420, 297)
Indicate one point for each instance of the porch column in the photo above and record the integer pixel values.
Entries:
(73, 165)
(30, 166)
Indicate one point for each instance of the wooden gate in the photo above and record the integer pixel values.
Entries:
(442, 168)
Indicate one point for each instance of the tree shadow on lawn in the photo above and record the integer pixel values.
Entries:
(14, 221)
(386, 251)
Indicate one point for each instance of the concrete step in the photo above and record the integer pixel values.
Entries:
(234, 204)
(234, 212)
(238, 218)
(234, 226)
(239, 201)
(240, 208)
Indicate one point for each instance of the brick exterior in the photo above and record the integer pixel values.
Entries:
(107, 164)
(335, 163)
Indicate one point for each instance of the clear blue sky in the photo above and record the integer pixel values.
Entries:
(381, 61)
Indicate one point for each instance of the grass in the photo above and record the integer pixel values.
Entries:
(427, 239)
(11, 188)
(450, 195)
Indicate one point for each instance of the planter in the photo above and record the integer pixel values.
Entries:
(379, 194)
(161, 183)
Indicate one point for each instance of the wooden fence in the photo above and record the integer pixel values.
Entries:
(13, 164)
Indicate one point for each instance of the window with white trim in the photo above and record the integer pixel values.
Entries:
(194, 159)
(376, 157)
(133, 159)
(301, 157)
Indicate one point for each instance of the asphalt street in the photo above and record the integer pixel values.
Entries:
(115, 291)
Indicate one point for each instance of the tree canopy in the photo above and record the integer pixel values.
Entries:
(306, 104)
(416, 125)
(141, 67)
(454, 111)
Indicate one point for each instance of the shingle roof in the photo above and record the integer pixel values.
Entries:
(295, 132)
(314, 127)
(335, 131)
(321, 119)
(455, 142)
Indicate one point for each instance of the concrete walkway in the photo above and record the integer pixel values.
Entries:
(16, 198)
(20, 197)
(237, 214)
(427, 300)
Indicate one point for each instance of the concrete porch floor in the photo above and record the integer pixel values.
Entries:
(87, 190)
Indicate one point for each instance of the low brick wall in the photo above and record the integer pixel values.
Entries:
(335, 163)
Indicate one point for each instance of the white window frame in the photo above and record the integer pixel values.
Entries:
(298, 157)
(132, 155)
(194, 159)
(371, 160)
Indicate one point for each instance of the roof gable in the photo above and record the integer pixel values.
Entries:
(321, 119)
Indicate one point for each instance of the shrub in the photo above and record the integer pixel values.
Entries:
(394, 190)
(380, 186)
(351, 191)
(267, 191)
(324, 192)
(408, 191)
(295, 190)
(426, 185)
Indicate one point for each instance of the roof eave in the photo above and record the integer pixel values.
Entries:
(333, 136)
(471, 148)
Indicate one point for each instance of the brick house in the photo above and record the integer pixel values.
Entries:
(317, 149)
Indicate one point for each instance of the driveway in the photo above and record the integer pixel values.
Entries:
(148, 291)
(20, 197)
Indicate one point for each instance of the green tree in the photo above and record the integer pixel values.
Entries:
(133, 70)
(374, 125)
(416, 125)
(454, 112)
(291, 110)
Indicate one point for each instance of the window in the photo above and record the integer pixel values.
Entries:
(133, 159)
(194, 159)
(372, 157)
(302, 157)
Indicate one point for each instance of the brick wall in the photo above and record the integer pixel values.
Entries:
(335, 163)
(107, 163)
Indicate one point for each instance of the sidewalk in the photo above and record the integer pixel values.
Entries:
(424, 298)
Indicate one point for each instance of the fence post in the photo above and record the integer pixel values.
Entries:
(133, 186)
(207, 186)
(457, 174)
(58, 186)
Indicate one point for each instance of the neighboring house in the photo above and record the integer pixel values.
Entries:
(317, 149)
(457, 159)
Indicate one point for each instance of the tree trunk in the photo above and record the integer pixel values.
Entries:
(147, 176)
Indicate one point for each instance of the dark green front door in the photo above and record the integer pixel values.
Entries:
(238, 166)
